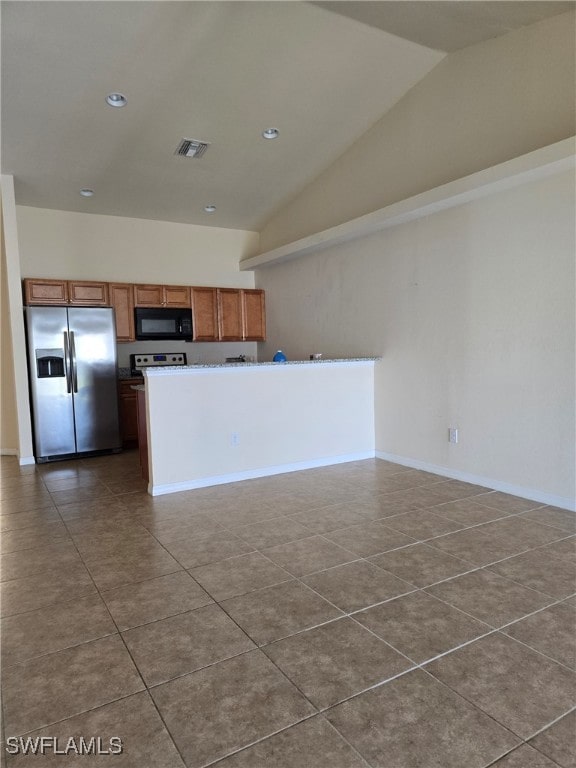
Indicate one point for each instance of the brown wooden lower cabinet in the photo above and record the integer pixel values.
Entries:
(128, 412)
(142, 433)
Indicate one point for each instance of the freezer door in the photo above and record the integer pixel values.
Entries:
(50, 383)
(93, 354)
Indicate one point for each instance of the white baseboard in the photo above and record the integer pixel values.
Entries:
(14, 452)
(565, 502)
(250, 474)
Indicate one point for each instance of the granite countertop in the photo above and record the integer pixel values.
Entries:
(195, 366)
(126, 373)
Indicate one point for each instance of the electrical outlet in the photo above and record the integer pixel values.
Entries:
(452, 434)
(234, 439)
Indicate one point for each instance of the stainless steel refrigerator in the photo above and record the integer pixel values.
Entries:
(72, 367)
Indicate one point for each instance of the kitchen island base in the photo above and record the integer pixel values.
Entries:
(209, 425)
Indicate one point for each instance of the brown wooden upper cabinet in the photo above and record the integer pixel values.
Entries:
(229, 314)
(122, 301)
(88, 294)
(76, 292)
(161, 296)
(253, 315)
(218, 314)
(204, 314)
(45, 291)
(241, 314)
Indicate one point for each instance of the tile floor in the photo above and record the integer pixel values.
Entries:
(358, 615)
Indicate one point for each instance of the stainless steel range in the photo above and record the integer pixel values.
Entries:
(142, 360)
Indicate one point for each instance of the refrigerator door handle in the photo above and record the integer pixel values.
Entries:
(73, 362)
(67, 363)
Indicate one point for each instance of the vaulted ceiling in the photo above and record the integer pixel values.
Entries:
(219, 72)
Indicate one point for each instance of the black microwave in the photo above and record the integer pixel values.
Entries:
(168, 323)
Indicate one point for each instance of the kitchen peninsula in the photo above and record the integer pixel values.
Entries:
(213, 424)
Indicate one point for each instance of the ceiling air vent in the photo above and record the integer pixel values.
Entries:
(191, 148)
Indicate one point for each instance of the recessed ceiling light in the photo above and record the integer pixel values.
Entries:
(271, 133)
(116, 100)
(210, 208)
(86, 192)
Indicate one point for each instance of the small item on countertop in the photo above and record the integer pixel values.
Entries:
(316, 356)
(279, 357)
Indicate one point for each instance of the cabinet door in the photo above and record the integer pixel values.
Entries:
(38, 291)
(128, 412)
(176, 296)
(148, 295)
(229, 314)
(87, 294)
(204, 314)
(253, 315)
(142, 433)
(122, 302)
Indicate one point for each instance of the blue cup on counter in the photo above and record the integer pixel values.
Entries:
(279, 357)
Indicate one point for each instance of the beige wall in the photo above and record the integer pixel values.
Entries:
(8, 420)
(480, 106)
(472, 310)
(62, 244)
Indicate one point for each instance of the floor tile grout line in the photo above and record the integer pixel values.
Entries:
(373, 687)
(476, 706)
(299, 579)
(360, 558)
(344, 612)
(342, 736)
(479, 525)
(258, 741)
(64, 648)
(136, 667)
(507, 624)
(76, 714)
(477, 568)
(539, 652)
(413, 663)
(481, 709)
(549, 725)
(494, 562)
(524, 515)
(190, 672)
(518, 583)
(258, 647)
(553, 763)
